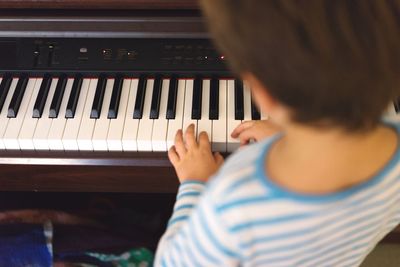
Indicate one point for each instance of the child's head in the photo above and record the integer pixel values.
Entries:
(327, 62)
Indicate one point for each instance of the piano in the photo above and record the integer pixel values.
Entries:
(92, 93)
(92, 101)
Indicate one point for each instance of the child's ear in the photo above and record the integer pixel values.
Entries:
(262, 98)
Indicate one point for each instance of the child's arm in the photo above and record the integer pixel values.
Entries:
(255, 130)
(196, 235)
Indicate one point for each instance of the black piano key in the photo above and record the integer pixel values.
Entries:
(58, 95)
(172, 95)
(197, 99)
(239, 106)
(4, 88)
(98, 97)
(42, 97)
(74, 97)
(255, 114)
(214, 99)
(155, 100)
(115, 98)
(139, 103)
(17, 97)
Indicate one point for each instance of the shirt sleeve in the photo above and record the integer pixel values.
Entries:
(196, 235)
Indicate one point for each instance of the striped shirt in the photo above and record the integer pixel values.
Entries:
(242, 218)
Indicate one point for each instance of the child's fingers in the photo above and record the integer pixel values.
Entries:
(203, 140)
(189, 136)
(219, 159)
(246, 136)
(241, 127)
(173, 156)
(179, 144)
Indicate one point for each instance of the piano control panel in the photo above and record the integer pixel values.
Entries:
(93, 55)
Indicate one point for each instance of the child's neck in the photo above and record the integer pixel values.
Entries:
(315, 161)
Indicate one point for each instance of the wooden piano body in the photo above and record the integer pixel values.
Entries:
(134, 172)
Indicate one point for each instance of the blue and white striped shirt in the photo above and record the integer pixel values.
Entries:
(241, 218)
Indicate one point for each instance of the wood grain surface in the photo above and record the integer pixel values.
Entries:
(99, 4)
(55, 178)
(86, 172)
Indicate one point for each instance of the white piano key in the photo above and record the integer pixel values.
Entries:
(264, 115)
(114, 138)
(58, 124)
(70, 137)
(204, 124)
(41, 133)
(176, 124)
(246, 101)
(10, 137)
(187, 112)
(131, 125)
(219, 133)
(3, 114)
(232, 144)
(160, 127)
(145, 123)
(25, 138)
(87, 124)
(100, 132)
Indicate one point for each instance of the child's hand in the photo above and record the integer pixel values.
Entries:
(194, 160)
(254, 130)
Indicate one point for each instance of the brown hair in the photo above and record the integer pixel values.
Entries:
(329, 61)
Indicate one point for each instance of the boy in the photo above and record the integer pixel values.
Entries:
(325, 188)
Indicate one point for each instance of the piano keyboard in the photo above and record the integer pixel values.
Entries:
(115, 113)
